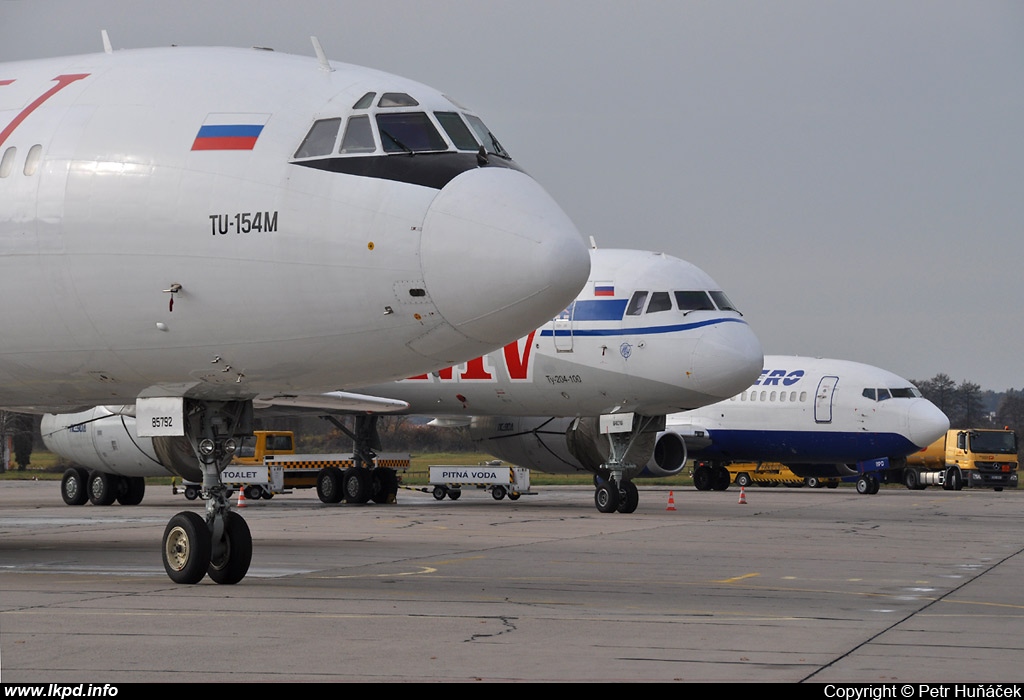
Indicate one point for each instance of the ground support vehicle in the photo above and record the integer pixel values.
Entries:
(772, 474)
(965, 458)
(495, 477)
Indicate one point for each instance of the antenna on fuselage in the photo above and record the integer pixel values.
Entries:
(107, 48)
(593, 243)
(320, 55)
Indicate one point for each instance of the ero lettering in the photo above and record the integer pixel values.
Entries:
(772, 377)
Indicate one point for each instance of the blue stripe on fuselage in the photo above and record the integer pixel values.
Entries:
(645, 330)
(796, 446)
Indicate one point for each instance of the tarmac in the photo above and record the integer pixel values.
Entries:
(792, 586)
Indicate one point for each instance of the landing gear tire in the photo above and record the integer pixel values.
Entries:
(498, 493)
(357, 485)
(385, 485)
(702, 478)
(133, 490)
(629, 497)
(186, 548)
(328, 485)
(74, 487)
(102, 489)
(606, 498)
(230, 562)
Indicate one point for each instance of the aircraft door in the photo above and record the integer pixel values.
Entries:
(562, 329)
(823, 399)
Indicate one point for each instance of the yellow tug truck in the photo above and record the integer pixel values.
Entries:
(973, 458)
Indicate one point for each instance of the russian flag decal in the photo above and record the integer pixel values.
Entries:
(604, 289)
(229, 132)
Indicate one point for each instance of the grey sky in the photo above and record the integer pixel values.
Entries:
(851, 173)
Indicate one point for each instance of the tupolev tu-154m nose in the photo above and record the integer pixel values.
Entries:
(730, 359)
(494, 234)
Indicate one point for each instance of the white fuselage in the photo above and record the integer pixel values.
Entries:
(597, 357)
(805, 410)
(162, 232)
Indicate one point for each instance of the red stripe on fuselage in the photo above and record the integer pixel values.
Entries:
(62, 82)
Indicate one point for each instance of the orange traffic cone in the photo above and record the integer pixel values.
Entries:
(671, 502)
(743, 495)
(241, 498)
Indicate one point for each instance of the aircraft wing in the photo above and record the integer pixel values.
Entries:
(334, 402)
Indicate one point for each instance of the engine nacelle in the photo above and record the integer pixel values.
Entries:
(669, 456)
(104, 439)
(555, 445)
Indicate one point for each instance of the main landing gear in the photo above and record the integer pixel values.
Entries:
(219, 545)
(615, 490)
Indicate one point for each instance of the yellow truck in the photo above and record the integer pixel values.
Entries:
(773, 474)
(974, 458)
(266, 463)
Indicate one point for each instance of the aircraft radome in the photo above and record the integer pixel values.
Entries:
(189, 230)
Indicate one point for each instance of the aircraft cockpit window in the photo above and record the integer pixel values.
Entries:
(636, 304)
(870, 394)
(694, 301)
(358, 136)
(457, 130)
(909, 392)
(409, 132)
(884, 394)
(397, 99)
(490, 143)
(723, 302)
(660, 301)
(320, 139)
(365, 101)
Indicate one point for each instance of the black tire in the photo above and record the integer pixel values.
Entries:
(955, 479)
(252, 492)
(911, 479)
(385, 485)
(863, 486)
(813, 482)
(454, 494)
(743, 479)
(102, 488)
(873, 484)
(440, 492)
(186, 548)
(74, 486)
(133, 490)
(606, 498)
(357, 485)
(702, 478)
(191, 493)
(514, 495)
(498, 492)
(235, 554)
(629, 497)
(328, 485)
(720, 479)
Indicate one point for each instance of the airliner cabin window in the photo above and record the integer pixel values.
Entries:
(457, 130)
(694, 301)
(358, 136)
(409, 132)
(660, 301)
(636, 304)
(320, 139)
